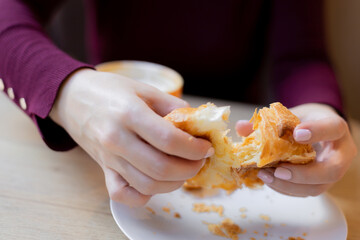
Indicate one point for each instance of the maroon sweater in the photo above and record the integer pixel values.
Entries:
(206, 41)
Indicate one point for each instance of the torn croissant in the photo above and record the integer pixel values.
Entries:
(235, 164)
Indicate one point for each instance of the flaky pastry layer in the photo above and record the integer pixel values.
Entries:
(235, 164)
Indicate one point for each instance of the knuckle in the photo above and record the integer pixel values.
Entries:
(340, 126)
(149, 188)
(125, 115)
(317, 190)
(161, 170)
(336, 171)
(113, 140)
(139, 202)
(167, 141)
(107, 138)
(117, 194)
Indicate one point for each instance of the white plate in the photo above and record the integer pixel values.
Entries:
(311, 218)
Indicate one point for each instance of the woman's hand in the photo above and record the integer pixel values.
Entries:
(329, 133)
(118, 122)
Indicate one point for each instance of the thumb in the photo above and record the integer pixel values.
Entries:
(244, 128)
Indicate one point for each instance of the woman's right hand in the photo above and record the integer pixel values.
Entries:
(118, 122)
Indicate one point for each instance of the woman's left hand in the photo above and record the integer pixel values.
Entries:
(329, 134)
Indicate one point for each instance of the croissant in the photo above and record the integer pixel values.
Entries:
(235, 164)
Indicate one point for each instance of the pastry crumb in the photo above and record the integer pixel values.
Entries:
(202, 207)
(243, 215)
(177, 215)
(295, 238)
(243, 209)
(227, 228)
(166, 209)
(151, 210)
(304, 234)
(266, 225)
(265, 217)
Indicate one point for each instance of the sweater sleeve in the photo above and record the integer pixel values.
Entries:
(32, 68)
(301, 70)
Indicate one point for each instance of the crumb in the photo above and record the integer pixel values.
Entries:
(304, 234)
(264, 217)
(150, 210)
(281, 237)
(166, 209)
(201, 207)
(177, 215)
(283, 224)
(243, 215)
(227, 228)
(266, 225)
(252, 238)
(243, 209)
(216, 230)
(295, 238)
(265, 234)
(256, 232)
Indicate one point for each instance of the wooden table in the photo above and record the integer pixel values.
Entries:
(53, 195)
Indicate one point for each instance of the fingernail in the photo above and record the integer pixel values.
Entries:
(265, 176)
(203, 163)
(283, 173)
(210, 152)
(301, 135)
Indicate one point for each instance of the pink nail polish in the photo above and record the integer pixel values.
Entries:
(210, 152)
(302, 135)
(283, 173)
(203, 163)
(265, 176)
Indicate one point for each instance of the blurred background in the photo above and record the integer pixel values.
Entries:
(342, 29)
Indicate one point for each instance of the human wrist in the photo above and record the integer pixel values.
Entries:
(58, 111)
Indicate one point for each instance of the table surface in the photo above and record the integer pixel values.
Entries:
(62, 195)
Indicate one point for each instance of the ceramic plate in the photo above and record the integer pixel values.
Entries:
(262, 213)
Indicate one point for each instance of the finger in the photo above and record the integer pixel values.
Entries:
(162, 103)
(154, 163)
(120, 191)
(244, 128)
(330, 165)
(289, 188)
(326, 129)
(163, 135)
(141, 182)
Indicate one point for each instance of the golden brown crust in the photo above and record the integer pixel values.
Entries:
(236, 164)
(276, 125)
